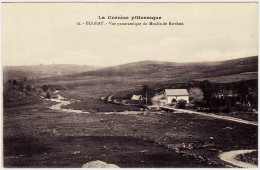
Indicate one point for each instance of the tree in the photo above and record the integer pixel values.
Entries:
(243, 91)
(148, 94)
(48, 95)
(196, 95)
(14, 82)
(45, 88)
(207, 89)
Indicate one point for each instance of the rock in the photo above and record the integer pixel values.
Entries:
(144, 151)
(104, 148)
(55, 132)
(230, 128)
(76, 152)
(99, 164)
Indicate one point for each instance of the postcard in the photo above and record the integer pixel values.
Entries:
(130, 85)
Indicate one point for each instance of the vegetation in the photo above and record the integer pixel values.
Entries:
(15, 94)
(196, 95)
(147, 94)
(48, 95)
(249, 157)
(96, 105)
(181, 104)
(29, 87)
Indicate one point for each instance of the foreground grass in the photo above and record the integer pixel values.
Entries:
(35, 136)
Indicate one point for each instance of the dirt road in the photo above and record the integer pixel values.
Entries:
(231, 155)
(215, 116)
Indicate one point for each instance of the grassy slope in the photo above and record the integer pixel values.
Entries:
(150, 69)
(132, 76)
(232, 78)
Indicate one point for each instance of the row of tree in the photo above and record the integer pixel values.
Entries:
(21, 85)
(240, 93)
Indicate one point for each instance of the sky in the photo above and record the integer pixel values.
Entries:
(47, 33)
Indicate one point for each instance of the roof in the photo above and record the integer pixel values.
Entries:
(176, 92)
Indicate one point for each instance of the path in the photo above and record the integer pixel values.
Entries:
(213, 116)
(231, 155)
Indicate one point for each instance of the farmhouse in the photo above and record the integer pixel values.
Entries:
(176, 94)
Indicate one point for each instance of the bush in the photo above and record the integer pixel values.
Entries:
(45, 88)
(14, 82)
(190, 106)
(224, 109)
(29, 88)
(21, 86)
(181, 104)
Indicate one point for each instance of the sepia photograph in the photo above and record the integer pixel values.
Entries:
(129, 85)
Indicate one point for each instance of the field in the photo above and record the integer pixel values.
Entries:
(232, 78)
(70, 140)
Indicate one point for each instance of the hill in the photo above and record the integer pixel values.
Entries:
(40, 71)
(169, 70)
(128, 78)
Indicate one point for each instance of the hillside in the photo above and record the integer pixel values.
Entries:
(40, 71)
(170, 70)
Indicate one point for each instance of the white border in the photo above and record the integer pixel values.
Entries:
(115, 1)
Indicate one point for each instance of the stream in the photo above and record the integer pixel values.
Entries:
(61, 101)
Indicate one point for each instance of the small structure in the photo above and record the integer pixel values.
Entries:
(136, 97)
(176, 95)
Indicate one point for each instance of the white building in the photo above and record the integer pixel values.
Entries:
(176, 94)
(136, 97)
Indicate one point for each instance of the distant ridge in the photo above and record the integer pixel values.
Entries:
(158, 69)
(39, 71)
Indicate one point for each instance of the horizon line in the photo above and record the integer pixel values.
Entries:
(127, 63)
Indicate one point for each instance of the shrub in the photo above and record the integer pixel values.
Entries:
(181, 104)
(29, 88)
(48, 95)
(14, 82)
(21, 86)
(190, 106)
